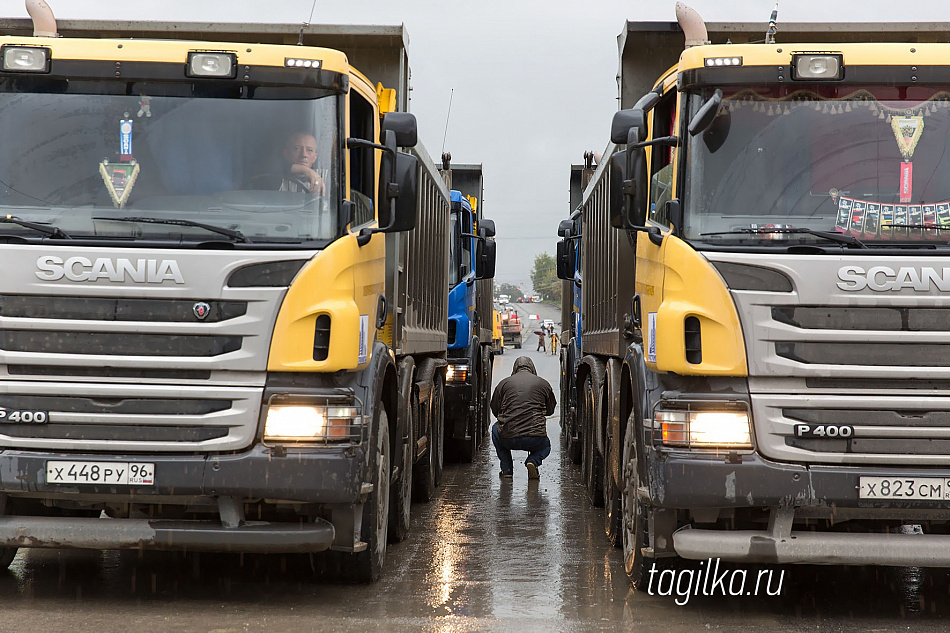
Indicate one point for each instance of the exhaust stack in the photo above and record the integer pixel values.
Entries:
(44, 24)
(692, 24)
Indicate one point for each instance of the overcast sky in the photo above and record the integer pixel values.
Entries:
(534, 80)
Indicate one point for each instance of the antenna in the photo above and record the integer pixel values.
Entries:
(306, 24)
(770, 34)
(451, 94)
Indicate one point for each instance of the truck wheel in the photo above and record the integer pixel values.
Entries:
(464, 450)
(592, 464)
(7, 554)
(399, 513)
(485, 414)
(612, 512)
(428, 473)
(634, 517)
(366, 565)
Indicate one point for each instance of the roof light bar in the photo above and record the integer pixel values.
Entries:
(296, 62)
(712, 62)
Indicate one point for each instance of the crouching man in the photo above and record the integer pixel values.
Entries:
(521, 403)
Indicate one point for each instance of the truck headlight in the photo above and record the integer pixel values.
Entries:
(307, 423)
(703, 428)
(456, 373)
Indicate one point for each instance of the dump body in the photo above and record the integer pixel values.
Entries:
(197, 298)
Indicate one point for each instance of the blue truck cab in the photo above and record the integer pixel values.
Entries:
(469, 353)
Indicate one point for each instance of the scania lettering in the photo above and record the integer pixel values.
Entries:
(762, 257)
(885, 278)
(152, 271)
(207, 337)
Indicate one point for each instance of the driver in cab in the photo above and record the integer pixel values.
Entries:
(298, 157)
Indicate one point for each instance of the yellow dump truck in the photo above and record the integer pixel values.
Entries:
(763, 373)
(224, 299)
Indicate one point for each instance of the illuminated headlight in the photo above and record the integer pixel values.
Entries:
(456, 373)
(712, 62)
(219, 65)
(296, 62)
(703, 429)
(302, 423)
(818, 67)
(26, 59)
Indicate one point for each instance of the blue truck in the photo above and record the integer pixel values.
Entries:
(471, 269)
(569, 271)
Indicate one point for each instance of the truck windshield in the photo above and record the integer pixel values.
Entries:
(88, 163)
(866, 161)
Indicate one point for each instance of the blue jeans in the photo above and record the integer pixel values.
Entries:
(538, 448)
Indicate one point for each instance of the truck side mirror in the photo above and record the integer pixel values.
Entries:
(564, 228)
(628, 189)
(406, 177)
(403, 125)
(706, 115)
(486, 228)
(565, 259)
(626, 120)
(484, 259)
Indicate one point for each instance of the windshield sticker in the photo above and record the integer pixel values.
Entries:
(871, 222)
(862, 218)
(120, 177)
(857, 216)
(907, 131)
(907, 182)
(844, 215)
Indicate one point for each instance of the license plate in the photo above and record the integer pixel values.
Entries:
(906, 488)
(105, 473)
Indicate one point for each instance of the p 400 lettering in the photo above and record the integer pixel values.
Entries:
(833, 431)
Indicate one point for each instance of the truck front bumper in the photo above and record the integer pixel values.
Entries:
(790, 491)
(331, 477)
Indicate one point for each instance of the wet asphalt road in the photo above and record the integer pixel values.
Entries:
(485, 555)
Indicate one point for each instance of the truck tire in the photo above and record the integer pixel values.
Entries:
(485, 413)
(365, 566)
(634, 515)
(7, 554)
(428, 473)
(612, 503)
(401, 493)
(592, 465)
(465, 449)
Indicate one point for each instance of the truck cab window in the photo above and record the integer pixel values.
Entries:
(362, 160)
(661, 161)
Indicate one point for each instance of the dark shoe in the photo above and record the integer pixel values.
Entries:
(506, 475)
(532, 471)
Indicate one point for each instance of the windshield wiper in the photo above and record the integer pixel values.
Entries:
(234, 234)
(831, 237)
(52, 231)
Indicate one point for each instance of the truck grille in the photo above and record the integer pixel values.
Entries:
(116, 309)
(113, 344)
(820, 355)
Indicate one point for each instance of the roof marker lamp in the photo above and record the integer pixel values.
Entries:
(26, 59)
(718, 62)
(295, 62)
(818, 67)
(216, 65)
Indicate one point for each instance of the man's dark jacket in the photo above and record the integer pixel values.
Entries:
(522, 401)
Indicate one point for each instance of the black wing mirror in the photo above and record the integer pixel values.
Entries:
(403, 125)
